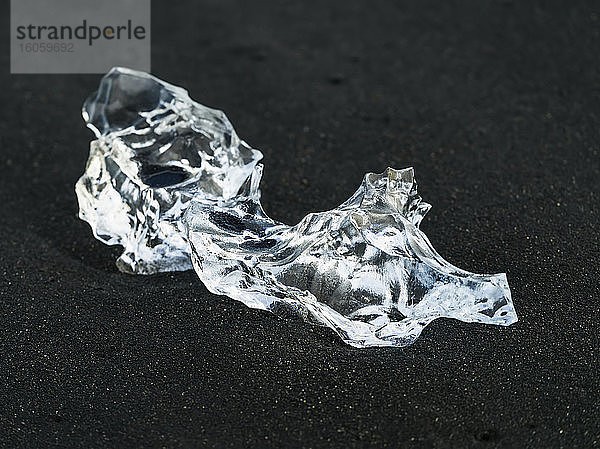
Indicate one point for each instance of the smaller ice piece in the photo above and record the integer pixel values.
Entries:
(364, 268)
(155, 149)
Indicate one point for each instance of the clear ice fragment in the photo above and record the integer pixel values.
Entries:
(155, 149)
(364, 268)
(170, 181)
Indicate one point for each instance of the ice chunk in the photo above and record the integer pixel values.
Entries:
(168, 178)
(364, 268)
(155, 149)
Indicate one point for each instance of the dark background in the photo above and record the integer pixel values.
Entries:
(495, 104)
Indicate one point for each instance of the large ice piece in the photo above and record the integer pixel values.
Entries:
(155, 149)
(364, 268)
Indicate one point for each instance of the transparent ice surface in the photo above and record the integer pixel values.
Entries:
(168, 178)
(364, 268)
(155, 149)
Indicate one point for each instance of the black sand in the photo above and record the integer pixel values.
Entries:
(495, 104)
